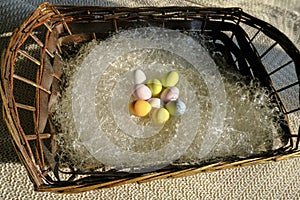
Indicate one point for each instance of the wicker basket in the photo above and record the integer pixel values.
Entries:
(30, 81)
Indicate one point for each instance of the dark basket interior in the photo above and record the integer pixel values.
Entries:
(247, 44)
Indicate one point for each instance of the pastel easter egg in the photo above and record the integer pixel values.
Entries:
(142, 92)
(170, 94)
(155, 86)
(176, 108)
(139, 76)
(131, 107)
(140, 108)
(156, 102)
(170, 79)
(160, 115)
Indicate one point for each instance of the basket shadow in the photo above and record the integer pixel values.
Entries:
(7, 150)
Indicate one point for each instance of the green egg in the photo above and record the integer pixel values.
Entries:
(170, 79)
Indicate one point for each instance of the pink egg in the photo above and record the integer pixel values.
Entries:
(170, 94)
(142, 92)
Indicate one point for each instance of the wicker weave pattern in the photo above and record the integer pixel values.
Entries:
(68, 25)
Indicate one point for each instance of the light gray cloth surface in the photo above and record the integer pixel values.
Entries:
(279, 180)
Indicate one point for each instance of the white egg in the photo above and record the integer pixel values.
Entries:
(139, 76)
(156, 103)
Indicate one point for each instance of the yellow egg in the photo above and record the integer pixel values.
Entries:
(170, 79)
(160, 115)
(155, 86)
(140, 108)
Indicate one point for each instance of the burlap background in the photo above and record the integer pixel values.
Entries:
(279, 180)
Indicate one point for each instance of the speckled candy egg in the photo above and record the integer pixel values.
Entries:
(155, 86)
(170, 79)
(140, 108)
(170, 94)
(160, 115)
(176, 108)
(142, 92)
(156, 102)
(139, 76)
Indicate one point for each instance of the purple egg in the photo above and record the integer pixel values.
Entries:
(142, 92)
(170, 94)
